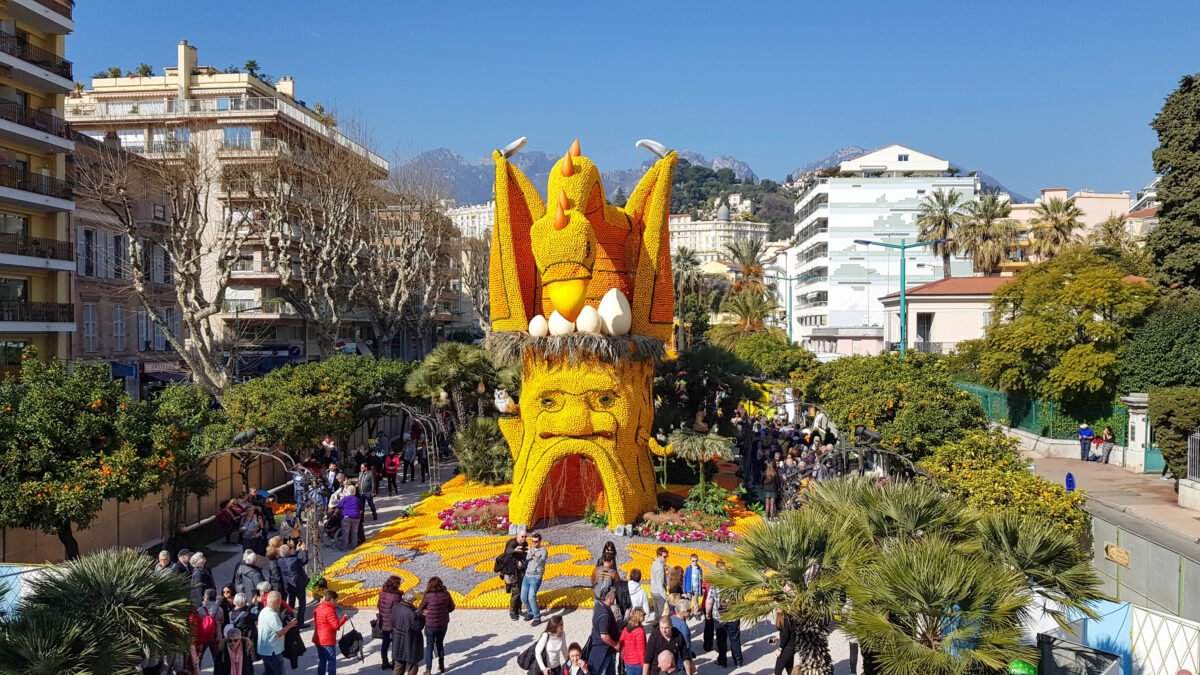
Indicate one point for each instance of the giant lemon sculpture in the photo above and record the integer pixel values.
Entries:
(581, 432)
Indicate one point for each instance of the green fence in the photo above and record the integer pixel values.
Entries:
(1048, 419)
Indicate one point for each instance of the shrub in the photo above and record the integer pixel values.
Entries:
(711, 499)
(483, 455)
(913, 403)
(986, 470)
(774, 356)
(1174, 415)
(1165, 350)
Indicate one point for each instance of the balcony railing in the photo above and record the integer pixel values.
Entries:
(63, 7)
(35, 247)
(12, 177)
(49, 312)
(252, 307)
(263, 144)
(167, 147)
(809, 304)
(812, 231)
(924, 347)
(809, 280)
(18, 47)
(33, 118)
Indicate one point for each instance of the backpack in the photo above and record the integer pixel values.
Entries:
(205, 627)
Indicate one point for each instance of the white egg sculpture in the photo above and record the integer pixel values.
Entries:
(588, 320)
(615, 314)
(538, 326)
(559, 324)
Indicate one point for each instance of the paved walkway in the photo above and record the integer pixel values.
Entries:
(487, 641)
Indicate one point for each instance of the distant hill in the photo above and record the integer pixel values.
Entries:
(838, 156)
(472, 181)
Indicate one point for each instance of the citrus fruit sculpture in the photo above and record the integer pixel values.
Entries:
(582, 295)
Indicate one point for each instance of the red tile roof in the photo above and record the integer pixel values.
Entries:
(958, 286)
(1144, 213)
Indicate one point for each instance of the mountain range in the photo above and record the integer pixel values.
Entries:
(472, 181)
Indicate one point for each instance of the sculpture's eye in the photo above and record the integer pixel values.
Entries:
(602, 400)
(551, 400)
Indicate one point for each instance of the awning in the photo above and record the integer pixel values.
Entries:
(169, 378)
(122, 369)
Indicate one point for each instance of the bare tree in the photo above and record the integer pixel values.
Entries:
(407, 241)
(317, 200)
(172, 205)
(476, 264)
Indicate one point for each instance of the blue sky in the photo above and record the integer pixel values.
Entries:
(1037, 94)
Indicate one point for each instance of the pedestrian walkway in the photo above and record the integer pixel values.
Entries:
(1140, 495)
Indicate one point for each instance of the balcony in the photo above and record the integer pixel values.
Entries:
(21, 316)
(34, 128)
(34, 190)
(222, 107)
(249, 148)
(47, 16)
(36, 253)
(34, 67)
(171, 147)
(270, 308)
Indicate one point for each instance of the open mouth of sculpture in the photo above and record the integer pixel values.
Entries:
(571, 486)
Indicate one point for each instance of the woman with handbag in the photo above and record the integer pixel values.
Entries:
(550, 650)
(325, 617)
(381, 627)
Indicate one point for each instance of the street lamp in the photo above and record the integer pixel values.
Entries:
(903, 248)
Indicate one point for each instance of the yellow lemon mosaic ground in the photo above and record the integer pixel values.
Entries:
(415, 548)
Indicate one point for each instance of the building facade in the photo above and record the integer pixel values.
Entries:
(112, 323)
(836, 282)
(942, 313)
(708, 238)
(36, 257)
(239, 122)
(473, 221)
(1096, 208)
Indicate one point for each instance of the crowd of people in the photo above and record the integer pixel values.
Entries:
(777, 457)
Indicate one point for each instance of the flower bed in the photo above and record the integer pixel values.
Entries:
(476, 514)
(685, 526)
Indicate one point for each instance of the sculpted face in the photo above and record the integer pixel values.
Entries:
(574, 418)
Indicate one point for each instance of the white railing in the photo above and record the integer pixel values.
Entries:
(223, 105)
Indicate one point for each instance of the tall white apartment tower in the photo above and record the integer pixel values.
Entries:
(837, 283)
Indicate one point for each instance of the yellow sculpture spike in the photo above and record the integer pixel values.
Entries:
(574, 151)
(563, 202)
(568, 169)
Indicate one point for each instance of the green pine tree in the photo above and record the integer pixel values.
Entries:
(1175, 243)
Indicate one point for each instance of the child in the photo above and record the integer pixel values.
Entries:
(575, 665)
(693, 580)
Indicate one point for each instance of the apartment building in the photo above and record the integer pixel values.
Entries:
(239, 122)
(112, 323)
(836, 281)
(36, 259)
(1096, 207)
(708, 238)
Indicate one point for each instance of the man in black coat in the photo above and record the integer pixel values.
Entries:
(666, 637)
(515, 551)
(295, 578)
(408, 640)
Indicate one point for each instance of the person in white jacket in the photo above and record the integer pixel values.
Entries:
(637, 594)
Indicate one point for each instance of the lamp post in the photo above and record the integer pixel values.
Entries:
(903, 248)
(801, 277)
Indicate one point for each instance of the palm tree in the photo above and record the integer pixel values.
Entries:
(987, 234)
(941, 215)
(693, 446)
(748, 257)
(925, 606)
(42, 641)
(452, 370)
(751, 311)
(685, 268)
(1112, 234)
(796, 564)
(117, 592)
(1054, 225)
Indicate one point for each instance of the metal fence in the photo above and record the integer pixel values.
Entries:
(1193, 458)
(1046, 418)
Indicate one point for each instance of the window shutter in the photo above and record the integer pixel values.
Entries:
(80, 252)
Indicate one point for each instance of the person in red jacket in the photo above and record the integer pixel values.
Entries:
(391, 467)
(325, 617)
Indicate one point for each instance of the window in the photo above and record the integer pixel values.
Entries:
(10, 353)
(133, 140)
(160, 212)
(143, 335)
(89, 328)
(118, 321)
(120, 247)
(160, 338)
(901, 158)
(236, 137)
(985, 319)
(920, 192)
(12, 224)
(86, 253)
(158, 273)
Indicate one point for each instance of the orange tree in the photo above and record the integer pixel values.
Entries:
(186, 424)
(913, 403)
(71, 439)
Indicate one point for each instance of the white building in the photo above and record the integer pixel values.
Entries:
(837, 283)
(709, 237)
(474, 220)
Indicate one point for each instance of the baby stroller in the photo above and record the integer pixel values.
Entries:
(333, 524)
